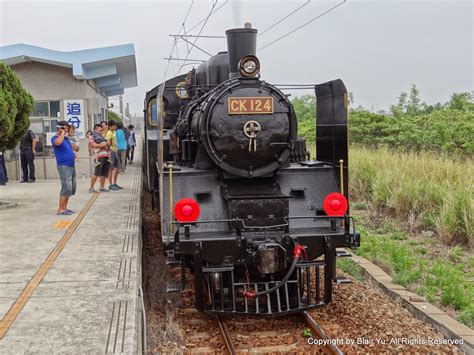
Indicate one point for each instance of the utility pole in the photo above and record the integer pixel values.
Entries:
(127, 110)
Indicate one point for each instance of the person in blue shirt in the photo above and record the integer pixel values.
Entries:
(121, 146)
(65, 161)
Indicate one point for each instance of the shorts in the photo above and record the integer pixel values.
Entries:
(68, 180)
(103, 168)
(115, 160)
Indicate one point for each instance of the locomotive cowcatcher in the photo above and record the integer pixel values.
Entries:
(242, 204)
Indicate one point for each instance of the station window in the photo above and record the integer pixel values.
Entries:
(36, 126)
(41, 109)
(54, 109)
(46, 109)
(43, 120)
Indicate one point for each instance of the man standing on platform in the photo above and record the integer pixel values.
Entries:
(27, 156)
(3, 169)
(121, 146)
(65, 161)
(132, 142)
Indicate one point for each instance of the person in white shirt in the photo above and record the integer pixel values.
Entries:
(132, 142)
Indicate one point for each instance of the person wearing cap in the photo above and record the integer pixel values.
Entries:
(65, 161)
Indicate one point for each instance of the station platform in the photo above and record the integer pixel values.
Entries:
(71, 284)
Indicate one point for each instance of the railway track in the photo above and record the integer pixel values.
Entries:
(263, 342)
(242, 335)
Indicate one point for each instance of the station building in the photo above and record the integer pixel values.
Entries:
(73, 86)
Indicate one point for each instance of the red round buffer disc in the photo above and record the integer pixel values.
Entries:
(335, 204)
(187, 210)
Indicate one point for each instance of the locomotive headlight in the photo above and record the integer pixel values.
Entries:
(249, 66)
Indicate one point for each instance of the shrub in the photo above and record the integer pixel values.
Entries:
(15, 108)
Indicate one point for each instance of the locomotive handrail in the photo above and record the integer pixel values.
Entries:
(350, 218)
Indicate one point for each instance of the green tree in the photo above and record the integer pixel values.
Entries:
(414, 104)
(461, 101)
(113, 116)
(305, 109)
(16, 105)
(400, 108)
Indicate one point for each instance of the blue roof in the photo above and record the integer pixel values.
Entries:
(113, 68)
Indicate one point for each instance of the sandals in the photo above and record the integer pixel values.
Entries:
(64, 213)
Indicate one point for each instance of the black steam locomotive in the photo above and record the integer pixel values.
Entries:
(241, 204)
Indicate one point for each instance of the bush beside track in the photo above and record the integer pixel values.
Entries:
(414, 164)
(412, 184)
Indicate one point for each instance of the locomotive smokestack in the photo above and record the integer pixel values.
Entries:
(240, 43)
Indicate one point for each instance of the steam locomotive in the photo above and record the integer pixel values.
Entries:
(242, 206)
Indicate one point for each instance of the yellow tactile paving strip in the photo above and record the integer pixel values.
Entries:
(25, 295)
(62, 224)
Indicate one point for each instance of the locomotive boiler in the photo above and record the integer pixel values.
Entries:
(241, 204)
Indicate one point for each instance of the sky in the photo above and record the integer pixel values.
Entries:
(378, 47)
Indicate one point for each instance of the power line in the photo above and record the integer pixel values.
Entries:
(183, 26)
(187, 14)
(284, 18)
(169, 59)
(189, 36)
(303, 25)
(175, 39)
(204, 19)
(202, 50)
(214, 3)
(184, 60)
(177, 56)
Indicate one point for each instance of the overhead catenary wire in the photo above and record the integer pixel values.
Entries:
(284, 18)
(204, 19)
(187, 13)
(303, 25)
(214, 3)
(175, 39)
(194, 45)
(184, 60)
(183, 26)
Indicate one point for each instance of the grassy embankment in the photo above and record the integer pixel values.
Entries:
(407, 203)
(413, 201)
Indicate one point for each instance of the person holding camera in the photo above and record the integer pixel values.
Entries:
(65, 161)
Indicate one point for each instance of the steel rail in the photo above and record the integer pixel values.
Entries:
(226, 336)
(315, 328)
(320, 333)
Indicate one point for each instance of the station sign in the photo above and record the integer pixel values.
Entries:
(74, 115)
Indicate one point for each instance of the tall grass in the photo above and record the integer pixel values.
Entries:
(427, 190)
